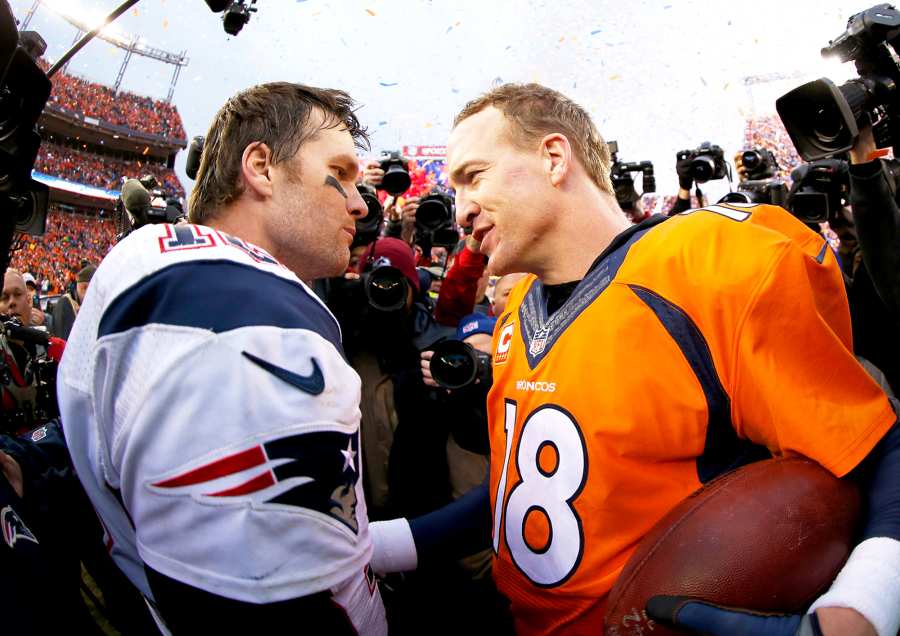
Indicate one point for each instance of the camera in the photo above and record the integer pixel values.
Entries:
(396, 179)
(456, 364)
(236, 13)
(623, 182)
(822, 119)
(36, 399)
(24, 90)
(707, 162)
(820, 189)
(434, 221)
(771, 191)
(434, 212)
(368, 228)
(386, 287)
(142, 202)
(758, 164)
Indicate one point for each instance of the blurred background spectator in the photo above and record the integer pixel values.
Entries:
(72, 241)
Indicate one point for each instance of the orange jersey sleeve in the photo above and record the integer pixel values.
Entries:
(797, 386)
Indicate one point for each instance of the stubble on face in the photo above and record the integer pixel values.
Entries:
(310, 212)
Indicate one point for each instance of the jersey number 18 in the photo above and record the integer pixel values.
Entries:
(551, 460)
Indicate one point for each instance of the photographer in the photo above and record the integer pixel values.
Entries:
(698, 166)
(876, 216)
(37, 314)
(460, 289)
(399, 211)
(30, 358)
(685, 181)
(66, 307)
(383, 334)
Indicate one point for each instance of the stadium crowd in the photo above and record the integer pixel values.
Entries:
(144, 114)
(71, 241)
(99, 170)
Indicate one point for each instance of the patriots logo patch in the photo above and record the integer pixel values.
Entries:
(315, 471)
(13, 528)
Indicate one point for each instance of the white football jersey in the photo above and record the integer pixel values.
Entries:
(214, 421)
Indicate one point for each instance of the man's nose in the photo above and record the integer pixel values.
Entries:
(466, 212)
(356, 205)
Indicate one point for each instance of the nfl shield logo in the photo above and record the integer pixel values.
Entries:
(538, 341)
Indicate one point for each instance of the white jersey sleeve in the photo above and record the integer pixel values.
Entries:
(213, 419)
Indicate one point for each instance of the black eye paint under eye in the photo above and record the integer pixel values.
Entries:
(334, 183)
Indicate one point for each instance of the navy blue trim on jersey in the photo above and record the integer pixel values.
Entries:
(880, 472)
(191, 610)
(723, 450)
(539, 331)
(219, 296)
(820, 257)
(459, 529)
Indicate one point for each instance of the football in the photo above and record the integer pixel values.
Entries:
(770, 536)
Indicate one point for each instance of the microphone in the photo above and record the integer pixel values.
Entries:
(136, 200)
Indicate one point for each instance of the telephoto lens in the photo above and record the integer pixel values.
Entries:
(434, 211)
(454, 364)
(386, 288)
(396, 178)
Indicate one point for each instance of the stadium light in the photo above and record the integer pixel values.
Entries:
(74, 11)
(122, 8)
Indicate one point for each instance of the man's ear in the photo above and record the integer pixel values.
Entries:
(556, 153)
(256, 169)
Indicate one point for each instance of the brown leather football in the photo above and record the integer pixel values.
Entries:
(770, 536)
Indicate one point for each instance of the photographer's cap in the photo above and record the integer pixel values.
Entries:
(396, 253)
(86, 274)
(475, 323)
(28, 278)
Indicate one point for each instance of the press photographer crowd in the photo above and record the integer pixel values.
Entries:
(288, 402)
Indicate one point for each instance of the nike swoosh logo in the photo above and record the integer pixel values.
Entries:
(313, 383)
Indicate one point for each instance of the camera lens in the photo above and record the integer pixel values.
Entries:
(810, 207)
(751, 159)
(432, 214)
(396, 180)
(386, 288)
(373, 206)
(703, 168)
(454, 364)
(827, 123)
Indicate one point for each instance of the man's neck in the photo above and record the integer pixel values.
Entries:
(243, 224)
(576, 242)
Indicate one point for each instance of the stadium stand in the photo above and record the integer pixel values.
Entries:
(74, 237)
(82, 166)
(143, 114)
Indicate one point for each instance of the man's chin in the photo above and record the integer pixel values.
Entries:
(498, 266)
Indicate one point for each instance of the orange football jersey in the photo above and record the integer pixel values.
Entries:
(696, 345)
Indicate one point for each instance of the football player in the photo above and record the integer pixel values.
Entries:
(636, 364)
(208, 407)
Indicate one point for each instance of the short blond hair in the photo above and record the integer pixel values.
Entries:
(534, 111)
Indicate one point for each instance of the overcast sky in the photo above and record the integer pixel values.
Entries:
(657, 76)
